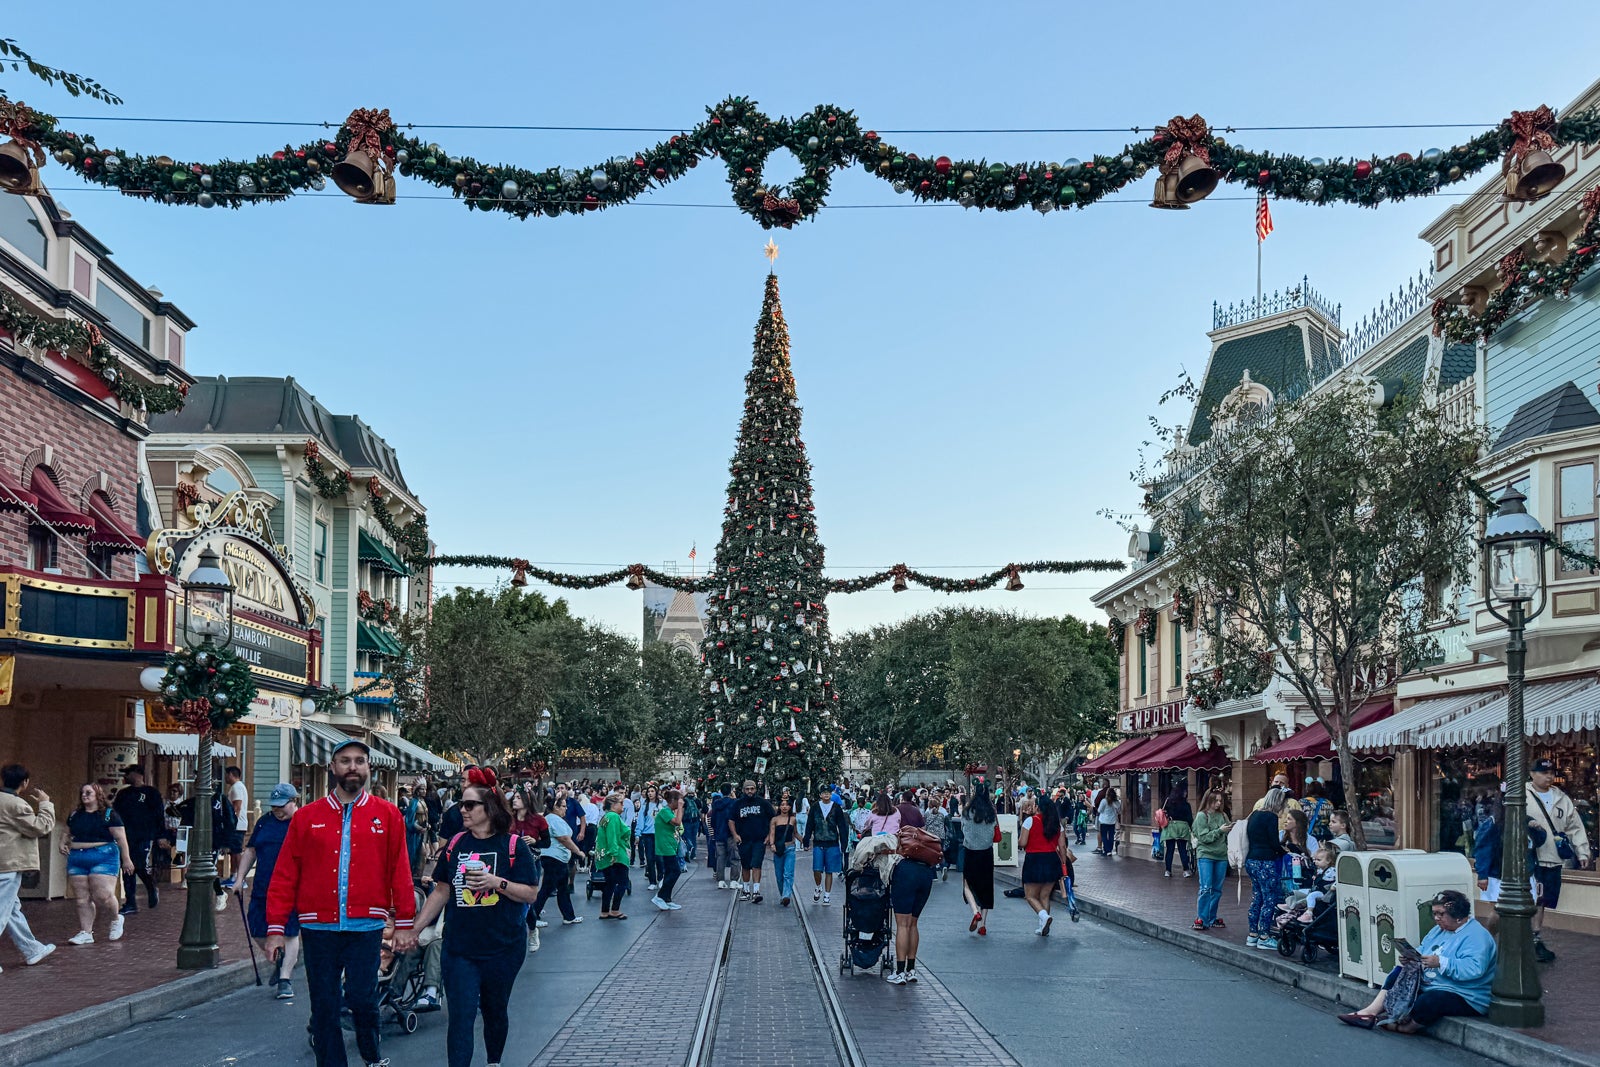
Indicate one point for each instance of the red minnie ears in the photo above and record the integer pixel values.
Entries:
(482, 776)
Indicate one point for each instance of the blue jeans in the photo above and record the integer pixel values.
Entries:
(1212, 872)
(336, 958)
(471, 986)
(691, 837)
(12, 920)
(1265, 894)
(783, 871)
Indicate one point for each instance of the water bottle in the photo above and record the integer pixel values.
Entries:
(1294, 868)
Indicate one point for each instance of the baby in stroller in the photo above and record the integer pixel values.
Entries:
(408, 982)
(1303, 899)
(1307, 921)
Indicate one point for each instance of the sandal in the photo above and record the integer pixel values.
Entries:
(619, 915)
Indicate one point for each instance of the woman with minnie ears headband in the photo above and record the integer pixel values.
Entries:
(486, 879)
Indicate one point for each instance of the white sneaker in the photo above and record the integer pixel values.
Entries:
(895, 978)
(540, 924)
(816, 895)
(116, 930)
(82, 937)
(222, 902)
(43, 952)
(827, 899)
(673, 905)
(652, 887)
(533, 940)
(574, 921)
(658, 902)
(721, 884)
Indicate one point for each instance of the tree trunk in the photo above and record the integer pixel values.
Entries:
(1347, 766)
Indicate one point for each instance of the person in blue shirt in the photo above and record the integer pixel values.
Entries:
(1458, 960)
(261, 853)
(723, 856)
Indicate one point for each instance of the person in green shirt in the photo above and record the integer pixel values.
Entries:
(669, 825)
(1210, 834)
(611, 857)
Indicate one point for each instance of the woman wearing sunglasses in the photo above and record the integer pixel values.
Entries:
(485, 878)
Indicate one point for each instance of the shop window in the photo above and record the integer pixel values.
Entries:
(41, 548)
(1374, 797)
(1576, 516)
(320, 551)
(223, 481)
(1136, 798)
(101, 560)
(1463, 782)
(1144, 665)
(121, 314)
(1205, 781)
(1177, 654)
(1166, 782)
(21, 229)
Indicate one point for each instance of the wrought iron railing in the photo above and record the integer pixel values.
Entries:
(1410, 298)
(1300, 296)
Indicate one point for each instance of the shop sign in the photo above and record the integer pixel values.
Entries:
(270, 653)
(159, 719)
(1155, 717)
(239, 531)
(107, 758)
(258, 584)
(273, 709)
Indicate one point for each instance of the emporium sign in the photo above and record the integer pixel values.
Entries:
(1154, 717)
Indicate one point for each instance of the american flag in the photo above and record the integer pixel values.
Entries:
(1263, 219)
(691, 551)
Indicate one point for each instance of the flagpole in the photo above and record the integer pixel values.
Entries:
(1259, 243)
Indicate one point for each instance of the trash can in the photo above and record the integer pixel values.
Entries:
(1005, 849)
(1358, 951)
(1401, 888)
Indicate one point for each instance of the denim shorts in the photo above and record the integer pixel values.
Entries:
(97, 859)
(826, 858)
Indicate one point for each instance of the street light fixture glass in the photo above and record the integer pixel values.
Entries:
(1515, 544)
(543, 729)
(209, 594)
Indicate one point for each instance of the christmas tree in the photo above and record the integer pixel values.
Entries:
(768, 677)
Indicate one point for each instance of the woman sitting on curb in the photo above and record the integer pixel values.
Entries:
(1458, 961)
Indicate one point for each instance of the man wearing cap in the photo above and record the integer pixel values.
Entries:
(343, 870)
(143, 815)
(261, 852)
(1552, 813)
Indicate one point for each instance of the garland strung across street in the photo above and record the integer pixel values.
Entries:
(635, 575)
(364, 154)
(1471, 314)
(71, 337)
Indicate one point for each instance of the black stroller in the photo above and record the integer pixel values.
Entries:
(1307, 938)
(868, 922)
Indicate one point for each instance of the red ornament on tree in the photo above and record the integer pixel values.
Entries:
(331, 148)
(942, 165)
(1264, 178)
(1363, 169)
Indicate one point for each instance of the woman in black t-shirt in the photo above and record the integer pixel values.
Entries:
(486, 881)
(96, 847)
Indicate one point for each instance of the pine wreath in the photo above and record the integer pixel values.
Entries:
(208, 687)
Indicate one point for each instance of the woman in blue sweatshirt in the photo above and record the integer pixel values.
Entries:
(1458, 960)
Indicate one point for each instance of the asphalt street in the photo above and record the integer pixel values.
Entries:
(1089, 993)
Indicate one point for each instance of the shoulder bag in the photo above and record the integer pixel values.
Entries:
(1564, 847)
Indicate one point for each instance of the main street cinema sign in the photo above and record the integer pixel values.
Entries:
(273, 626)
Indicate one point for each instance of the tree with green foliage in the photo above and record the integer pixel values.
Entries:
(768, 698)
(1331, 530)
(893, 682)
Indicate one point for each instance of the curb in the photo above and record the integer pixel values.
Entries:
(1511, 1047)
(113, 1017)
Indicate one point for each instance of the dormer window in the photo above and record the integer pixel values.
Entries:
(1246, 403)
(123, 316)
(22, 230)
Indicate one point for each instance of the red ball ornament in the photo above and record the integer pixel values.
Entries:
(591, 201)
(299, 153)
(1403, 157)
(835, 118)
(1264, 178)
(639, 162)
(331, 148)
(1363, 169)
(194, 168)
(942, 165)
(661, 172)
(716, 122)
(924, 185)
(280, 156)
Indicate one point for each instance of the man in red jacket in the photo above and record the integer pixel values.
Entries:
(343, 870)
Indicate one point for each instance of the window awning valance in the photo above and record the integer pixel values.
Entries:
(1313, 742)
(109, 531)
(371, 550)
(1548, 709)
(314, 743)
(53, 508)
(1404, 727)
(376, 640)
(413, 759)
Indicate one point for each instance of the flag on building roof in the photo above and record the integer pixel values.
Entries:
(1263, 219)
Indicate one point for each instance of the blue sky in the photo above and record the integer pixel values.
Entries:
(976, 386)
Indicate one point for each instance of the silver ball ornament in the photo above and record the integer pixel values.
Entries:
(1317, 161)
(206, 200)
(206, 181)
(1314, 188)
(247, 184)
(598, 180)
(1432, 155)
(509, 190)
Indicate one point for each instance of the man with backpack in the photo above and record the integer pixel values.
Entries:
(721, 848)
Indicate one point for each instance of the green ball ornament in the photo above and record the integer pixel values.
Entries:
(1067, 195)
(179, 179)
(997, 170)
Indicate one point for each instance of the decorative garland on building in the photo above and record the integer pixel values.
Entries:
(71, 336)
(1145, 625)
(1184, 606)
(824, 140)
(374, 610)
(210, 688)
(1117, 631)
(1523, 284)
(328, 486)
(412, 537)
(1242, 678)
(635, 575)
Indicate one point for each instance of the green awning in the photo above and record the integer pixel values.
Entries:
(314, 742)
(371, 550)
(374, 639)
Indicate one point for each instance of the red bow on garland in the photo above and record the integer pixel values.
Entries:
(313, 450)
(1532, 130)
(367, 126)
(375, 487)
(197, 713)
(1509, 269)
(96, 338)
(17, 122)
(1589, 206)
(1185, 137)
(785, 212)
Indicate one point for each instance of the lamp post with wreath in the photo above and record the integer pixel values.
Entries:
(209, 688)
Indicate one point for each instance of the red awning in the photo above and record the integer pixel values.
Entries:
(1313, 742)
(1180, 751)
(1105, 759)
(109, 531)
(1126, 758)
(53, 507)
(13, 497)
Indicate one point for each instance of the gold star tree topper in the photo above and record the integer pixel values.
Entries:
(771, 252)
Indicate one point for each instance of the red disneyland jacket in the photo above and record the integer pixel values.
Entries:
(306, 879)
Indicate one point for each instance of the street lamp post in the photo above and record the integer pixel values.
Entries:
(1514, 571)
(209, 616)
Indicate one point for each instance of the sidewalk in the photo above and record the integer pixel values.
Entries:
(1136, 886)
(76, 977)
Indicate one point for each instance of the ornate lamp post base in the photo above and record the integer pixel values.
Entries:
(1516, 998)
(197, 945)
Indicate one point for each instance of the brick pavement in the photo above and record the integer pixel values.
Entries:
(772, 1012)
(1137, 885)
(77, 976)
(665, 968)
(922, 1023)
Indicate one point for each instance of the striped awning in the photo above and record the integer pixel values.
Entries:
(177, 744)
(371, 550)
(413, 759)
(314, 743)
(1548, 709)
(376, 640)
(1405, 727)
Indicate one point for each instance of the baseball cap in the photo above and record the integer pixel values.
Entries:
(346, 743)
(282, 794)
(1544, 766)
(132, 768)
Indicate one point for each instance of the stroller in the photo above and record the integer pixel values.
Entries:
(868, 922)
(1306, 938)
